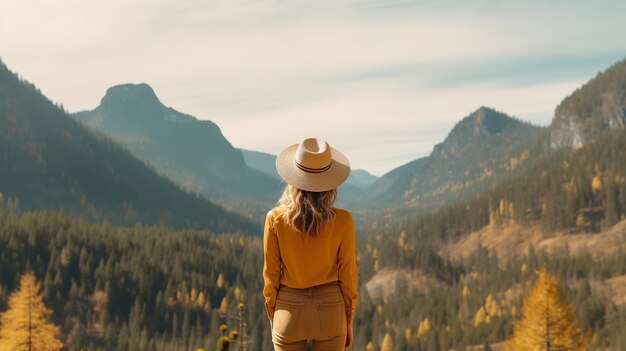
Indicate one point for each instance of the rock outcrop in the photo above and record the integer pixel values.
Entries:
(597, 107)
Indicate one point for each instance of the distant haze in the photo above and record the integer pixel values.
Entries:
(381, 80)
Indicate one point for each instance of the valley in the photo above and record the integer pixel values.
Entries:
(142, 242)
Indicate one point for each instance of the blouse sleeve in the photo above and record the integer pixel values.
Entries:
(271, 266)
(348, 269)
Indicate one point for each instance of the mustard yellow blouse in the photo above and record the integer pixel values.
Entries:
(299, 261)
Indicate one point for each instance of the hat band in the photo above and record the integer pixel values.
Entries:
(313, 170)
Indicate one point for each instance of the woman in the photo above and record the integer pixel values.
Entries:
(309, 268)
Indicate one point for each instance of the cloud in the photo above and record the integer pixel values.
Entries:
(384, 128)
(384, 80)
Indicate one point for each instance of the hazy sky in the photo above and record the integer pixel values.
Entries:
(383, 81)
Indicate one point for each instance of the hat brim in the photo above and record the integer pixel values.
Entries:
(317, 182)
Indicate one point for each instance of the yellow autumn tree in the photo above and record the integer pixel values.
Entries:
(238, 294)
(223, 306)
(596, 184)
(193, 295)
(423, 327)
(387, 343)
(547, 320)
(491, 306)
(480, 317)
(201, 300)
(25, 325)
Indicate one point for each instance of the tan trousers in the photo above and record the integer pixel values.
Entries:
(317, 313)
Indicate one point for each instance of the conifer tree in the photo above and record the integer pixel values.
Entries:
(548, 322)
(387, 343)
(25, 325)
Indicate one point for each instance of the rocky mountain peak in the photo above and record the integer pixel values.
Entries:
(193, 152)
(488, 121)
(127, 94)
(132, 105)
(483, 122)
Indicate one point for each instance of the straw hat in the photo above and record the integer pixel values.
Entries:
(313, 165)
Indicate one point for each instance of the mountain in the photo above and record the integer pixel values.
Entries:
(596, 107)
(361, 178)
(49, 160)
(480, 150)
(571, 191)
(261, 161)
(564, 207)
(193, 153)
(560, 193)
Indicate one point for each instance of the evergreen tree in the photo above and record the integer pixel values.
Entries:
(387, 343)
(25, 325)
(547, 322)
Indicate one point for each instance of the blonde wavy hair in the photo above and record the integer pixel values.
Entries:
(307, 211)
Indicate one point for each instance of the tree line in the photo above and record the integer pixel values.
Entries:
(156, 288)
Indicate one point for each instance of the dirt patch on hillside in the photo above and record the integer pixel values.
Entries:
(595, 244)
(389, 281)
(513, 240)
(617, 288)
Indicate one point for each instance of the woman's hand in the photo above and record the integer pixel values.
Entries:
(349, 338)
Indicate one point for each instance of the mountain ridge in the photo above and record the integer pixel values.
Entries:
(49, 160)
(192, 152)
(480, 149)
(570, 189)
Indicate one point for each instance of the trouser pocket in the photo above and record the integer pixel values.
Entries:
(286, 317)
(332, 319)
